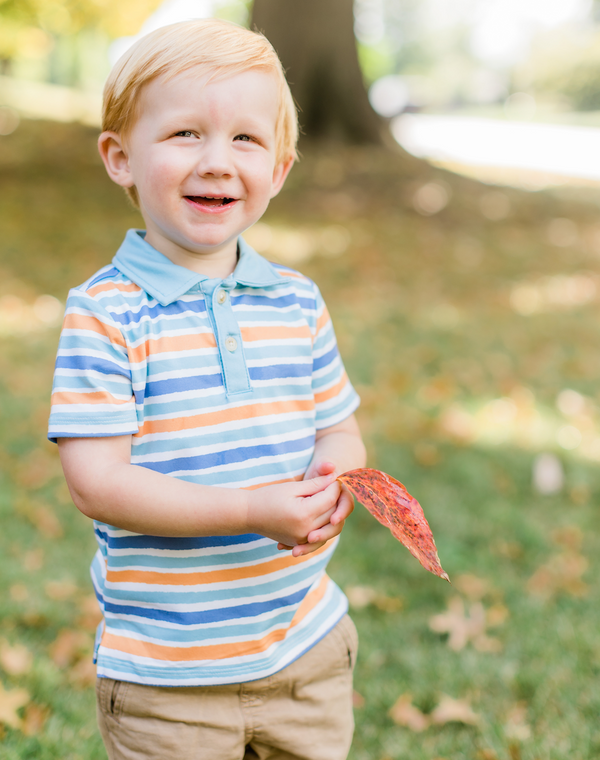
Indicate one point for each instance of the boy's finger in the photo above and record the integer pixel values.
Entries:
(303, 549)
(345, 507)
(317, 469)
(325, 468)
(326, 533)
(327, 497)
(318, 484)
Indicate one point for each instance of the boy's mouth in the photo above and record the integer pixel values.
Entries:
(206, 200)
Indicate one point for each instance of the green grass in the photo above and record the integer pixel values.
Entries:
(424, 328)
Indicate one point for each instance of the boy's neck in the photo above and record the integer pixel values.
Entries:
(215, 265)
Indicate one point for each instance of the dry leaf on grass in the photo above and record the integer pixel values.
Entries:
(449, 710)
(463, 628)
(496, 615)
(358, 701)
(487, 754)
(452, 710)
(360, 597)
(12, 700)
(91, 615)
(83, 674)
(404, 713)
(561, 574)
(37, 468)
(69, 646)
(60, 591)
(34, 719)
(19, 592)
(15, 659)
(569, 537)
(472, 587)
(33, 560)
(516, 726)
(42, 517)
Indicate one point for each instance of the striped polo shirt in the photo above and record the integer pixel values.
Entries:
(221, 382)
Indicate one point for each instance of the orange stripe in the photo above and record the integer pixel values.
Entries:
(331, 392)
(310, 601)
(286, 273)
(212, 651)
(250, 334)
(151, 577)
(322, 320)
(170, 344)
(97, 397)
(296, 478)
(91, 324)
(107, 286)
(226, 415)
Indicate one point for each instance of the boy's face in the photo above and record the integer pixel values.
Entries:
(203, 160)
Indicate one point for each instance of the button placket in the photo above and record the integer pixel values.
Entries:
(229, 339)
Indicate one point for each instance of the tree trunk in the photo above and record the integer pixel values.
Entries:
(316, 44)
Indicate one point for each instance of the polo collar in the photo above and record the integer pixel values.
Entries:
(167, 282)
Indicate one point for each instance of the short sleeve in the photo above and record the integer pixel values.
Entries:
(335, 398)
(92, 394)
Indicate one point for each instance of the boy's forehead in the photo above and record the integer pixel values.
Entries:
(176, 92)
(206, 76)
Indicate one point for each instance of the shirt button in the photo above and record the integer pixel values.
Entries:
(230, 344)
(221, 296)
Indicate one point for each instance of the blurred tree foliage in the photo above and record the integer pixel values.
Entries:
(564, 65)
(33, 27)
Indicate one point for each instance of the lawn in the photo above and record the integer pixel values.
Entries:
(467, 317)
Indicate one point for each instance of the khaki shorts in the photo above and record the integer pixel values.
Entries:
(304, 712)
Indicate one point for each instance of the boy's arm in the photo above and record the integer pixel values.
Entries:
(105, 486)
(338, 448)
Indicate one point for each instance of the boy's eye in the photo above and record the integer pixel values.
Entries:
(184, 133)
(244, 138)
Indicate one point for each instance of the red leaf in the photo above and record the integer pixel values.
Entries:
(390, 503)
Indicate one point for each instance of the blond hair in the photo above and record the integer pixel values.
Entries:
(216, 48)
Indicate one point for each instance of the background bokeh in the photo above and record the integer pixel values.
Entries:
(466, 304)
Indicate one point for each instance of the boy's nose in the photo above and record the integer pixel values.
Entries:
(215, 160)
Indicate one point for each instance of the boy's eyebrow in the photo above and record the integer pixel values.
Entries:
(187, 112)
(188, 119)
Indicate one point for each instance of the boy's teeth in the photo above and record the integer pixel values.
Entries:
(202, 200)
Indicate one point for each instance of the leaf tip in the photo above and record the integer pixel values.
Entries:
(446, 577)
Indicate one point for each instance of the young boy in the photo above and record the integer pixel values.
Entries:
(202, 414)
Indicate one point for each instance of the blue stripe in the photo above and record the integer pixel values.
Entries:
(326, 359)
(279, 371)
(242, 454)
(84, 362)
(178, 635)
(255, 300)
(175, 543)
(112, 272)
(208, 616)
(156, 310)
(182, 384)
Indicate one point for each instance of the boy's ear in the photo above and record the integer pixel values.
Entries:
(112, 152)
(279, 175)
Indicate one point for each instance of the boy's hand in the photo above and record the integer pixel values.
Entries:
(338, 448)
(344, 506)
(293, 513)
